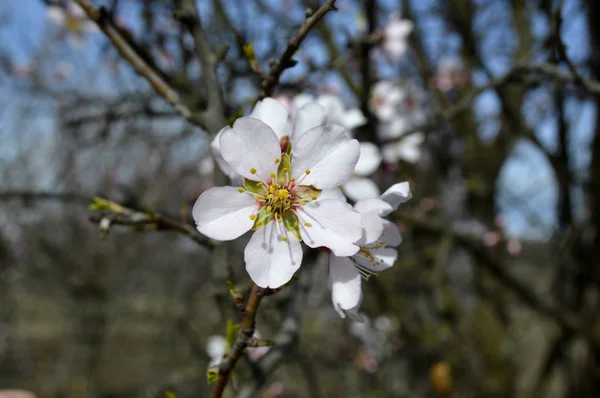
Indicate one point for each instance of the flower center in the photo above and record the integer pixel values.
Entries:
(280, 197)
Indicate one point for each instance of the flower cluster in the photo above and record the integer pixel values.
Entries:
(399, 109)
(288, 166)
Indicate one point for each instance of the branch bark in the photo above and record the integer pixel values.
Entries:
(271, 80)
(242, 341)
(101, 17)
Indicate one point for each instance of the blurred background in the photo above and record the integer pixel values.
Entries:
(493, 121)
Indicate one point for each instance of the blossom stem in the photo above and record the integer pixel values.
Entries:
(243, 340)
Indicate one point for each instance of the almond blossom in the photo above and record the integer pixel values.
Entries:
(217, 347)
(335, 110)
(385, 100)
(283, 196)
(407, 148)
(376, 253)
(73, 20)
(395, 37)
(274, 113)
(360, 186)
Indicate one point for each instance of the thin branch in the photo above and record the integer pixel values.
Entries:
(285, 60)
(214, 114)
(530, 73)
(101, 17)
(497, 267)
(115, 214)
(242, 341)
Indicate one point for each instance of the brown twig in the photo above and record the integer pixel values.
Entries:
(128, 52)
(242, 341)
(115, 214)
(285, 60)
(213, 116)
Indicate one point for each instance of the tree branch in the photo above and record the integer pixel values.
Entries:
(101, 17)
(285, 60)
(112, 213)
(214, 114)
(242, 341)
(498, 268)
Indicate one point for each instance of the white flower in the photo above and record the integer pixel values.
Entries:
(376, 253)
(335, 111)
(274, 114)
(385, 100)
(73, 20)
(406, 148)
(215, 348)
(360, 186)
(395, 37)
(281, 198)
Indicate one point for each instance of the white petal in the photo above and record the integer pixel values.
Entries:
(353, 118)
(329, 155)
(372, 228)
(270, 261)
(379, 259)
(333, 106)
(251, 145)
(76, 11)
(399, 29)
(391, 236)
(395, 48)
(354, 315)
(56, 15)
(360, 188)
(369, 159)
(396, 194)
(373, 205)
(223, 213)
(215, 148)
(207, 167)
(273, 113)
(333, 224)
(333, 193)
(307, 117)
(389, 153)
(89, 26)
(345, 284)
(300, 100)
(215, 347)
(410, 147)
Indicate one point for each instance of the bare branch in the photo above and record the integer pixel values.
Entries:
(214, 115)
(285, 60)
(128, 52)
(242, 341)
(113, 213)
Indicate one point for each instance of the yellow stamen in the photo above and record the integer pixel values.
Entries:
(306, 224)
(283, 194)
(241, 190)
(314, 197)
(253, 217)
(273, 175)
(283, 238)
(252, 170)
(307, 171)
(276, 160)
(292, 179)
